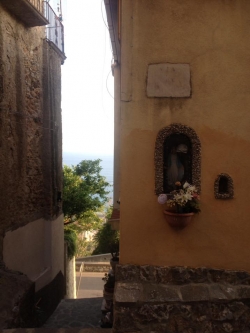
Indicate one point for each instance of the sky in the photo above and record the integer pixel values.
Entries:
(87, 81)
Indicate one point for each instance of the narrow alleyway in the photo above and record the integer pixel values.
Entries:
(83, 312)
(82, 315)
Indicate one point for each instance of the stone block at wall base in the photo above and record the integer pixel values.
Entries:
(20, 306)
(17, 300)
(49, 297)
(181, 299)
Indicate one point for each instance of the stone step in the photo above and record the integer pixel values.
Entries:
(58, 330)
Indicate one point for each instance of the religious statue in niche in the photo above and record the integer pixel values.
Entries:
(177, 161)
(176, 168)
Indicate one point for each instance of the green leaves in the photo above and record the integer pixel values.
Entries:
(84, 193)
(70, 238)
(106, 240)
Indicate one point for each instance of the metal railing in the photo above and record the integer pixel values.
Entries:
(80, 277)
(38, 4)
(55, 29)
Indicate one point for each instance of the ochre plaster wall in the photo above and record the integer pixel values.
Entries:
(117, 143)
(211, 36)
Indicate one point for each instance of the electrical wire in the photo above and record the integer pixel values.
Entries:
(102, 1)
(107, 84)
(104, 59)
(110, 45)
(103, 15)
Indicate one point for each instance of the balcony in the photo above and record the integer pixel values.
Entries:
(54, 29)
(30, 12)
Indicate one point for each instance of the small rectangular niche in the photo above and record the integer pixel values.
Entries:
(168, 80)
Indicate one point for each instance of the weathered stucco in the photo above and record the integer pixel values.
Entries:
(36, 250)
(210, 36)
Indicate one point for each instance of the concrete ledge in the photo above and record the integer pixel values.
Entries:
(26, 12)
(96, 258)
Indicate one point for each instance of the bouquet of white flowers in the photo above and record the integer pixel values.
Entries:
(184, 199)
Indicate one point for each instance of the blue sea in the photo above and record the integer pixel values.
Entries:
(106, 164)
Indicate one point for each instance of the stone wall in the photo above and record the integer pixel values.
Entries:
(96, 258)
(20, 123)
(96, 267)
(30, 132)
(181, 299)
(17, 300)
(30, 163)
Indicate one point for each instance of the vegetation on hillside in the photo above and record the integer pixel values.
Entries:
(70, 237)
(84, 197)
(106, 240)
(84, 193)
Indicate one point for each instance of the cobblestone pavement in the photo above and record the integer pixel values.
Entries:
(80, 313)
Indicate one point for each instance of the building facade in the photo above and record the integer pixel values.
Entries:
(181, 75)
(31, 228)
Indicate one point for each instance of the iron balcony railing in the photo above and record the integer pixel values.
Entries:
(55, 29)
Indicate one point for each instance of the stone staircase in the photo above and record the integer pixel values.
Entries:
(71, 316)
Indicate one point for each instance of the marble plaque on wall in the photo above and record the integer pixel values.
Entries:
(168, 80)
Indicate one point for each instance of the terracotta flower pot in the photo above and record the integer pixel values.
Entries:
(108, 289)
(108, 295)
(178, 220)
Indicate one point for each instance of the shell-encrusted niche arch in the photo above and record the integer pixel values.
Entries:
(162, 139)
(224, 187)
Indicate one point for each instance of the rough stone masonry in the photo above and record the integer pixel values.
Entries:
(30, 148)
(181, 299)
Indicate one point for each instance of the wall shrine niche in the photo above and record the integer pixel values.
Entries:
(223, 187)
(177, 158)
